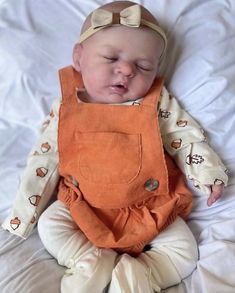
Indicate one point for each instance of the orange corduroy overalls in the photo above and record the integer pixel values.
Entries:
(122, 189)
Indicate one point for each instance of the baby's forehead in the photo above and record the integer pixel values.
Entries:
(126, 34)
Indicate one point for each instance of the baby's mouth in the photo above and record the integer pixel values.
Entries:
(119, 88)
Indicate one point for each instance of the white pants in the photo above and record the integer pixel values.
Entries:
(171, 258)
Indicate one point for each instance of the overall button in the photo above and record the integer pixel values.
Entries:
(151, 184)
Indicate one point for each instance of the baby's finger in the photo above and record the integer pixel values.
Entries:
(210, 200)
(216, 193)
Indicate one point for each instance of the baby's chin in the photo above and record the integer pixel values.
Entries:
(119, 99)
(110, 99)
(115, 98)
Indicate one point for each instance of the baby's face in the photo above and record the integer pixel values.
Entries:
(118, 64)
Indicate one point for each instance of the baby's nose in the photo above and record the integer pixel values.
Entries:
(126, 68)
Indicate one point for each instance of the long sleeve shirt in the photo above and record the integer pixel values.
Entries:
(182, 137)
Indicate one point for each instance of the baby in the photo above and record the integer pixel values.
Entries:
(118, 224)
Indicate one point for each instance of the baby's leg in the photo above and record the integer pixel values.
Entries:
(172, 257)
(89, 268)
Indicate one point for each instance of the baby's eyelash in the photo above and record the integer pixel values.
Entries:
(143, 68)
(111, 58)
(114, 59)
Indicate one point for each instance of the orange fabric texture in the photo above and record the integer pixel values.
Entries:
(121, 187)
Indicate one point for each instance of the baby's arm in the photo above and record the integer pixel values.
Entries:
(184, 140)
(38, 181)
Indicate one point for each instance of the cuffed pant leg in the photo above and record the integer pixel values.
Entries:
(89, 268)
(130, 276)
(172, 257)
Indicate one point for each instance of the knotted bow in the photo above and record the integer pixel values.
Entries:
(130, 16)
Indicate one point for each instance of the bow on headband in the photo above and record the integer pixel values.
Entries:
(130, 16)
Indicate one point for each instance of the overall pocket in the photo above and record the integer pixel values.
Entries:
(109, 157)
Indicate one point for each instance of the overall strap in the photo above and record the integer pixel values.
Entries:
(70, 82)
(152, 97)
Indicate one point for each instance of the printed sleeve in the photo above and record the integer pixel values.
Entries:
(38, 181)
(185, 141)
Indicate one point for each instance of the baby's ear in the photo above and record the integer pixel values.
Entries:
(76, 56)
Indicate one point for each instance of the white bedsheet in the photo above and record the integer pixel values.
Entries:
(36, 39)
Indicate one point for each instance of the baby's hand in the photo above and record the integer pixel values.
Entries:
(216, 193)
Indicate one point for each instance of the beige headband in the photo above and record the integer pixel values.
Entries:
(130, 17)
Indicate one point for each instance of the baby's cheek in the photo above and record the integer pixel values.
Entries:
(144, 86)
